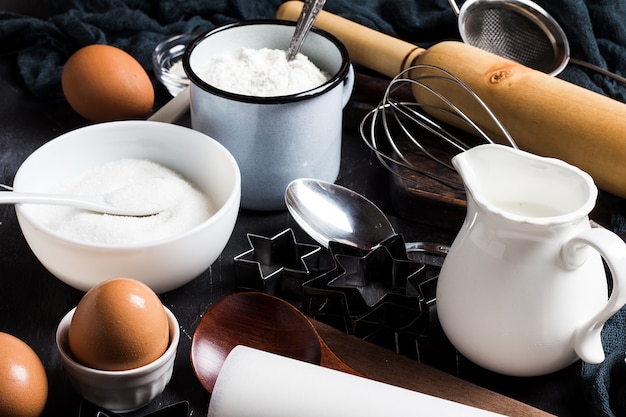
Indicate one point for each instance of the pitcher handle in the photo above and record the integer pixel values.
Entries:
(587, 338)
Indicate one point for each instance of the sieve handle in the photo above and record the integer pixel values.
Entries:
(375, 50)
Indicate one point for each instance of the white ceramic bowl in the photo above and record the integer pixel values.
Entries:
(162, 264)
(119, 391)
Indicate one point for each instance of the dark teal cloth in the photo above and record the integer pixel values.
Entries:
(596, 30)
(136, 26)
(605, 384)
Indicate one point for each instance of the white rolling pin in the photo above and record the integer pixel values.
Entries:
(254, 383)
(544, 115)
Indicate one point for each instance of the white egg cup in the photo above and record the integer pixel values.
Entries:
(119, 391)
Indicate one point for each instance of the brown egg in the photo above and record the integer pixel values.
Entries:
(103, 83)
(23, 381)
(119, 324)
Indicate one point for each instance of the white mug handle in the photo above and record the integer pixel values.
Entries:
(348, 86)
(587, 337)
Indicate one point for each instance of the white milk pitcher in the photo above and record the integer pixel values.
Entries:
(523, 290)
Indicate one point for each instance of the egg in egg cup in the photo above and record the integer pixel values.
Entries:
(119, 391)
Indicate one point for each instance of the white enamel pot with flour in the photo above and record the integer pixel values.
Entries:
(523, 290)
(275, 139)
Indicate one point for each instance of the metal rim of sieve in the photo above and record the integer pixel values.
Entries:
(519, 30)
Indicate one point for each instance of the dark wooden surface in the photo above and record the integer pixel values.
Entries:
(32, 301)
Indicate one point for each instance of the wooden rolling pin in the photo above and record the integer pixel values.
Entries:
(544, 115)
(410, 374)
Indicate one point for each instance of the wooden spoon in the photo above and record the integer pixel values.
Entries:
(260, 321)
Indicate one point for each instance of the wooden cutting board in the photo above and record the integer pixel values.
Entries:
(386, 366)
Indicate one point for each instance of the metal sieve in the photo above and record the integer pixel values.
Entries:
(521, 31)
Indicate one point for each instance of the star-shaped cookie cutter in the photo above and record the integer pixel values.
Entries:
(375, 275)
(277, 265)
(370, 289)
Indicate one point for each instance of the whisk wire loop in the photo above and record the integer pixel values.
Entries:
(396, 129)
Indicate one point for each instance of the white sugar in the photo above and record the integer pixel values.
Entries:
(262, 73)
(130, 183)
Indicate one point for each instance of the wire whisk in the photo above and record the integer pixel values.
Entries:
(415, 120)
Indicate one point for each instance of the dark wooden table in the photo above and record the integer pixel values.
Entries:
(32, 301)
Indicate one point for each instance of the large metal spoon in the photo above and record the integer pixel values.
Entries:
(95, 203)
(329, 211)
(310, 9)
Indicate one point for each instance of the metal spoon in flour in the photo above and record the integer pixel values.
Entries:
(95, 203)
(310, 9)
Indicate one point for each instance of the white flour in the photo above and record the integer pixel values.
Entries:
(133, 183)
(262, 73)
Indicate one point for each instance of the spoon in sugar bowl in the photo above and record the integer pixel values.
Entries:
(109, 203)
